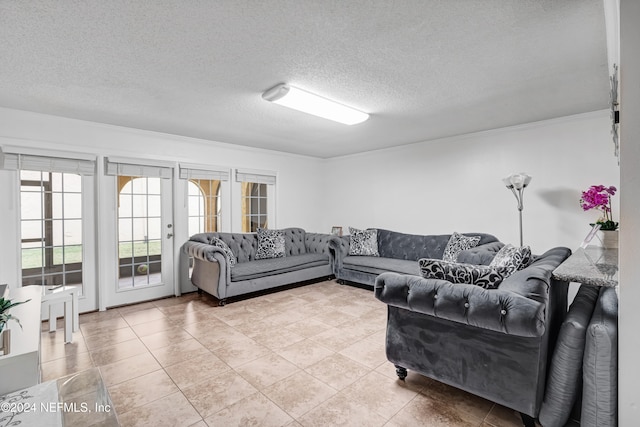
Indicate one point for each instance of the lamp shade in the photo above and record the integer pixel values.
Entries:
(517, 180)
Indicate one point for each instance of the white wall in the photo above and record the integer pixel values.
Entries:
(454, 184)
(297, 189)
(628, 343)
(298, 176)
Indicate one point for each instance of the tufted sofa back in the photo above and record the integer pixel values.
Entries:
(392, 244)
(245, 245)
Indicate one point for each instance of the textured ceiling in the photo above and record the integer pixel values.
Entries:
(423, 69)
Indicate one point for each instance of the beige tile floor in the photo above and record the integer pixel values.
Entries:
(307, 356)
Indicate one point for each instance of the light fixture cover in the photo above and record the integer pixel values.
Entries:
(307, 102)
(517, 180)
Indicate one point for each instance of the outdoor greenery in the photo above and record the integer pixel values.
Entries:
(32, 258)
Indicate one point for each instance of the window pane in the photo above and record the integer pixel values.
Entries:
(125, 250)
(56, 181)
(72, 183)
(155, 247)
(196, 206)
(32, 258)
(73, 254)
(57, 232)
(139, 206)
(196, 225)
(72, 232)
(124, 229)
(139, 185)
(31, 205)
(153, 206)
(140, 249)
(73, 205)
(31, 229)
(30, 175)
(154, 185)
(140, 229)
(154, 228)
(124, 206)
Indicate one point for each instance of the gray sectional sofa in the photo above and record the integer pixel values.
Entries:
(398, 253)
(307, 257)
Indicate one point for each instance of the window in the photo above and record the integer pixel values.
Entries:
(139, 231)
(204, 206)
(51, 228)
(204, 184)
(257, 195)
(254, 206)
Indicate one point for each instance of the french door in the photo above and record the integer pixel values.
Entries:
(143, 238)
(56, 222)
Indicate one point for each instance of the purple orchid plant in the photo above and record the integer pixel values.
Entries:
(599, 197)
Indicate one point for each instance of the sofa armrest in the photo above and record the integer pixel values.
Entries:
(495, 309)
(339, 246)
(203, 252)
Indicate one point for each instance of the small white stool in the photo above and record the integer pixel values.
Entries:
(68, 295)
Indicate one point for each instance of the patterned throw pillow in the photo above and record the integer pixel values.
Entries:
(458, 243)
(480, 275)
(512, 258)
(363, 242)
(270, 244)
(219, 243)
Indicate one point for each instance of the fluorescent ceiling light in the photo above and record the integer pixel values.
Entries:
(301, 100)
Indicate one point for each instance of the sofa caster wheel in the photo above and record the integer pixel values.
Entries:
(222, 302)
(527, 420)
(401, 372)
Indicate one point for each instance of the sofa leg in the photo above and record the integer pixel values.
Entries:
(401, 372)
(199, 291)
(222, 302)
(527, 420)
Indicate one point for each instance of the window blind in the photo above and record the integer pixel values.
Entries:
(131, 167)
(260, 177)
(47, 163)
(190, 171)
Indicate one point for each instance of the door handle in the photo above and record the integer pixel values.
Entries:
(169, 235)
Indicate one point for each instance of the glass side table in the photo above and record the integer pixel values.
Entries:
(79, 399)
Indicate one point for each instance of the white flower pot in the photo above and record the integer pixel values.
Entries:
(608, 238)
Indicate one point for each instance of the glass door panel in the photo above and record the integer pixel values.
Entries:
(52, 227)
(140, 233)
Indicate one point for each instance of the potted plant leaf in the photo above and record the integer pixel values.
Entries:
(5, 316)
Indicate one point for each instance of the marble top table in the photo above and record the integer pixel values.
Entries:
(593, 265)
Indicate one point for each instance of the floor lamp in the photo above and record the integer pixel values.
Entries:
(517, 183)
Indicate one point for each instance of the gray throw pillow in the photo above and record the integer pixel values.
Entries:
(270, 244)
(513, 258)
(480, 275)
(458, 243)
(229, 255)
(363, 242)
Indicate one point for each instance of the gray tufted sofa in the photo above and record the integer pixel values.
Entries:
(399, 253)
(492, 343)
(307, 257)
